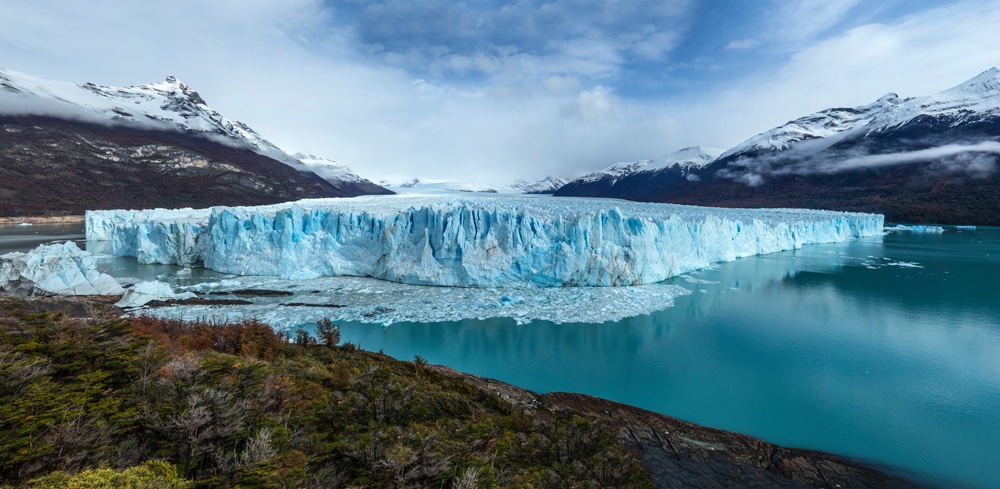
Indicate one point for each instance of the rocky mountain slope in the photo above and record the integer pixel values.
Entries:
(927, 159)
(65, 148)
(674, 166)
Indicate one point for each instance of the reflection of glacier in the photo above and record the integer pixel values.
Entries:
(469, 241)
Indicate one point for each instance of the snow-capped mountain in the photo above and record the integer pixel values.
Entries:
(66, 148)
(338, 175)
(169, 105)
(977, 99)
(547, 185)
(683, 159)
(929, 159)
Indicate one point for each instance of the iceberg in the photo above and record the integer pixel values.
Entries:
(469, 241)
(59, 269)
(916, 229)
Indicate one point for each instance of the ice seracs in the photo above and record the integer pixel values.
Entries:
(476, 241)
(56, 269)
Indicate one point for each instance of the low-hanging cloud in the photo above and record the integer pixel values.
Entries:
(906, 157)
(973, 159)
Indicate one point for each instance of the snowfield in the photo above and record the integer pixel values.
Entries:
(474, 241)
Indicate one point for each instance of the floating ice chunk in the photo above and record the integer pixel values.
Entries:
(381, 302)
(916, 229)
(59, 269)
(904, 264)
(24, 224)
(145, 292)
(470, 241)
(966, 228)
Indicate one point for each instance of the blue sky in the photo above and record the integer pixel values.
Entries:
(492, 91)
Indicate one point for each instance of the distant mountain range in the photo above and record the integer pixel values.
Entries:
(546, 185)
(931, 159)
(65, 148)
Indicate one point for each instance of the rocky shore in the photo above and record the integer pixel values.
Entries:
(42, 220)
(685, 455)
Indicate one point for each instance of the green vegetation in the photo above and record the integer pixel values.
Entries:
(165, 404)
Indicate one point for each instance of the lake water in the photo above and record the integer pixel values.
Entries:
(886, 350)
(847, 348)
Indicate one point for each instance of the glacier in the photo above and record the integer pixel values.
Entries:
(55, 269)
(468, 241)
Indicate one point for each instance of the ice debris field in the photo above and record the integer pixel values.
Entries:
(474, 241)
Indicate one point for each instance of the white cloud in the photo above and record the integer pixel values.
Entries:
(796, 21)
(520, 113)
(248, 60)
(921, 54)
(741, 44)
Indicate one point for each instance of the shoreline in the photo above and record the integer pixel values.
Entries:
(677, 453)
(42, 220)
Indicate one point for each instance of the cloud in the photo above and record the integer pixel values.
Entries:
(742, 44)
(297, 74)
(477, 90)
(920, 54)
(890, 159)
(796, 21)
(445, 34)
(977, 160)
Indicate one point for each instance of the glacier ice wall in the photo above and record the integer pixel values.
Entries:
(469, 241)
(165, 236)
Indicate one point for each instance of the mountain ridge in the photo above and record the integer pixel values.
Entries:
(66, 148)
(166, 105)
(930, 159)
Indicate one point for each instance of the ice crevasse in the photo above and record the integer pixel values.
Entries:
(469, 241)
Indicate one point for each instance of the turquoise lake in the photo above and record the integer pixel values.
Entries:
(848, 348)
(885, 350)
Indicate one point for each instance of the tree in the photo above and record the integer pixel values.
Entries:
(328, 332)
